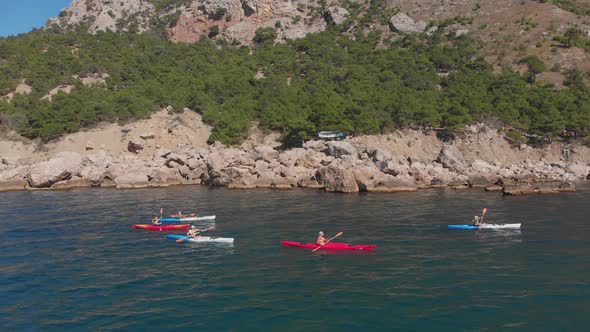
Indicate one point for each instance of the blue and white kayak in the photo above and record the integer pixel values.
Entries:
(199, 239)
(188, 219)
(486, 226)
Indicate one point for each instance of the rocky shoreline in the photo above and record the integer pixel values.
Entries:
(363, 164)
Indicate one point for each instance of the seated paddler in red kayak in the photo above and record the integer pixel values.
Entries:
(321, 239)
(156, 221)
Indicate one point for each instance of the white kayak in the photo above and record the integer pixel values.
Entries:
(188, 219)
(499, 226)
(487, 226)
(197, 218)
(201, 238)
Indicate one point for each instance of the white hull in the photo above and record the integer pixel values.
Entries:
(511, 226)
(198, 218)
(211, 239)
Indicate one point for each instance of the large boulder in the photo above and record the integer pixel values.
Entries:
(248, 182)
(379, 155)
(421, 174)
(174, 160)
(371, 180)
(484, 167)
(339, 149)
(336, 15)
(395, 165)
(14, 179)
(403, 23)
(165, 175)
(580, 171)
(282, 183)
(451, 158)
(338, 179)
(266, 153)
(135, 145)
(59, 168)
(314, 145)
(132, 180)
(300, 157)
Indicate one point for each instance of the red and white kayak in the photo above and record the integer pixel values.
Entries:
(161, 228)
(329, 246)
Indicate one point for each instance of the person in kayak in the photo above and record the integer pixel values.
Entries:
(156, 221)
(321, 239)
(193, 232)
(477, 220)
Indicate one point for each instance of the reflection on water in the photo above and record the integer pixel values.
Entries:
(71, 261)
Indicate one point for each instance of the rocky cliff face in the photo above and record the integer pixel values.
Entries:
(103, 15)
(401, 161)
(232, 20)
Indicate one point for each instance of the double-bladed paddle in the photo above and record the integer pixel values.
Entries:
(186, 238)
(335, 236)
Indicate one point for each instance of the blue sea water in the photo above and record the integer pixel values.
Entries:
(70, 261)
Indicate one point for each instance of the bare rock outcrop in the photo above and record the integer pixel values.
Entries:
(103, 15)
(339, 149)
(338, 179)
(405, 24)
(538, 188)
(14, 179)
(59, 168)
(336, 15)
(370, 179)
(450, 157)
(135, 145)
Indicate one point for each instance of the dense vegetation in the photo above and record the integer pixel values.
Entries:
(323, 82)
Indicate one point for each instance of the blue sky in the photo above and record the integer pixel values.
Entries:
(17, 16)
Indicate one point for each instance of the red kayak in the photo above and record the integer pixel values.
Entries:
(329, 246)
(150, 227)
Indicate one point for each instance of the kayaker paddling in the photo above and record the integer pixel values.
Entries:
(157, 221)
(193, 232)
(321, 239)
(476, 221)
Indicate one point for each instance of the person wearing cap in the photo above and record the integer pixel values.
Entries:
(321, 239)
(193, 232)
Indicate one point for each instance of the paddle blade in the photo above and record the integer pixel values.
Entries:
(180, 240)
(485, 210)
(339, 233)
(161, 210)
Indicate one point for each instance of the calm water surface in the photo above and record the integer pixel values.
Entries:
(70, 261)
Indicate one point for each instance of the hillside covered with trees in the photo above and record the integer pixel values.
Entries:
(325, 81)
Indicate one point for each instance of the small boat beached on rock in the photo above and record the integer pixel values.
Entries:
(329, 246)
